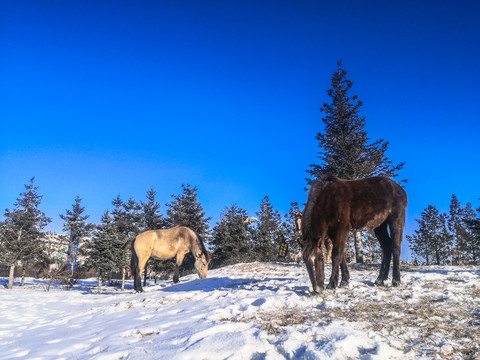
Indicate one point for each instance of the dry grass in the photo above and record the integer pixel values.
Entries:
(444, 323)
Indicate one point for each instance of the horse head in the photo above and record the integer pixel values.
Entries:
(201, 264)
(298, 229)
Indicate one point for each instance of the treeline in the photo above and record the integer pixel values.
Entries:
(105, 248)
(452, 238)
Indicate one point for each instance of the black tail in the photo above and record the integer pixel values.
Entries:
(137, 283)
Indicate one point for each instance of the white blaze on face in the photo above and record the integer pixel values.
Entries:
(298, 224)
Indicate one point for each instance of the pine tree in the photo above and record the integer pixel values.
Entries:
(373, 246)
(186, 210)
(432, 241)
(102, 249)
(474, 246)
(267, 232)
(21, 232)
(289, 232)
(458, 225)
(151, 219)
(470, 234)
(345, 150)
(126, 220)
(77, 228)
(230, 240)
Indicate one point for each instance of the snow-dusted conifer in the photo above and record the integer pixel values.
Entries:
(230, 241)
(267, 234)
(77, 228)
(21, 232)
(345, 149)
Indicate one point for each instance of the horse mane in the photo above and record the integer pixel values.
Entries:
(315, 188)
(331, 178)
(307, 211)
(202, 247)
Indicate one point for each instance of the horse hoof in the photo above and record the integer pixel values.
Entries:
(344, 284)
(379, 282)
(331, 286)
(395, 282)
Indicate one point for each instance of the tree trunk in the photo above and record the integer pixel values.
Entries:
(10, 276)
(99, 283)
(358, 247)
(123, 279)
(22, 283)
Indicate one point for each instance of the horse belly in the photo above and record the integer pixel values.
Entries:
(164, 252)
(369, 218)
(376, 220)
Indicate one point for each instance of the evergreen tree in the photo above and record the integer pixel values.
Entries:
(77, 228)
(289, 232)
(21, 232)
(102, 250)
(373, 246)
(267, 232)
(470, 235)
(474, 246)
(455, 228)
(151, 219)
(126, 220)
(230, 240)
(345, 150)
(432, 240)
(186, 210)
(458, 225)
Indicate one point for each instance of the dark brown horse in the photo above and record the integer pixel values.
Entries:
(336, 206)
(165, 244)
(328, 242)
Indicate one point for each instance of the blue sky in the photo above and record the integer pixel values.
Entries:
(100, 98)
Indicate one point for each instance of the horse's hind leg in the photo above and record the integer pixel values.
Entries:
(386, 243)
(396, 231)
(137, 285)
(345, 273)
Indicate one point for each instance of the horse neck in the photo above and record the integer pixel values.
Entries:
(195, 247)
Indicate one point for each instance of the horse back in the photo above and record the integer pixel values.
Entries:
(363, 203)
(159, 244)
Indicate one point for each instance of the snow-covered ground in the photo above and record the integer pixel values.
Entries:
(249, 311)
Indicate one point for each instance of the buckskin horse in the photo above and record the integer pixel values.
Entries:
(336, 206)
(166, 244)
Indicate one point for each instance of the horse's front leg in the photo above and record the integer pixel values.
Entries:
(319, 269)
(313, 258)
(338, 258)
(178, 262)
(176, 274)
